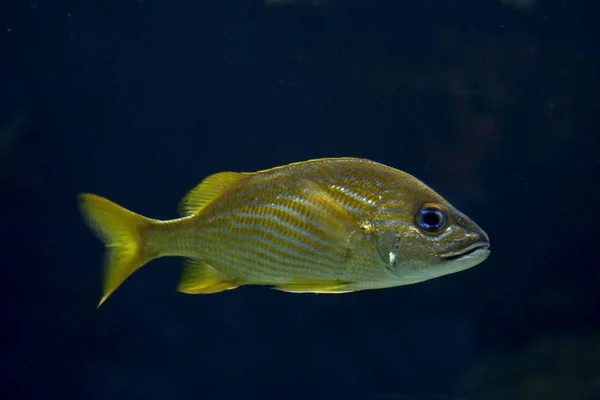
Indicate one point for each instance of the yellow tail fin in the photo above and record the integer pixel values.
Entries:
(122, 231)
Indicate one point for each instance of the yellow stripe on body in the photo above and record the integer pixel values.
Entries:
(283, 242)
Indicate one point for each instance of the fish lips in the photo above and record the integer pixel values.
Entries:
(477, 248)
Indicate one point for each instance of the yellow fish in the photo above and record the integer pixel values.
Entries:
(330, 225)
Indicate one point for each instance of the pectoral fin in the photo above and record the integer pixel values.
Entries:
(332, 218)
(200, 278)
(314, 286)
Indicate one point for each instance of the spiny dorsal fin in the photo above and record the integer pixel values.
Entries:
(208, 190)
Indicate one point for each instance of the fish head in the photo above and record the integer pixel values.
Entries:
(426, 237)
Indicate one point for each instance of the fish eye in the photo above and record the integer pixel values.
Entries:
(431, 218)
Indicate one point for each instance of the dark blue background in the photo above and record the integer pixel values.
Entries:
(494, 107)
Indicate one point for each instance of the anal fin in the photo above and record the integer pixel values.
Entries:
(314, 286)
(200, 278)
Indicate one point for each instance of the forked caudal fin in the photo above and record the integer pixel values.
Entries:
(122, 232)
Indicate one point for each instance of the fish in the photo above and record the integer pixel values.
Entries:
(327, 225)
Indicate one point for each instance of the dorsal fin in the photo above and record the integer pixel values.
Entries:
(208, 190)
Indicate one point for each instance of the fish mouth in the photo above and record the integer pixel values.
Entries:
(475, 247)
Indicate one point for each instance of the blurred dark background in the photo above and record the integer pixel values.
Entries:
(494, 104)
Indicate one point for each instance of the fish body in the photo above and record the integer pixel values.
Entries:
(332, 225)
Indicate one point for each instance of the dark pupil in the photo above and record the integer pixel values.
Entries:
(431, 218)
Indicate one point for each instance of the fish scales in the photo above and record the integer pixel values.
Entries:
(332, 225)
(284, 225)
(289, 237)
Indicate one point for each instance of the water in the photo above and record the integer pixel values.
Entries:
(494, 105)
